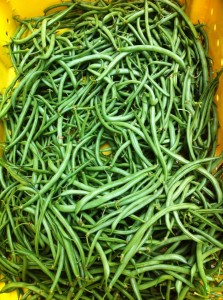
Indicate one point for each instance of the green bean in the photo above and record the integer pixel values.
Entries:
(116, 183)
(111, 112)
(69, 72)
(15, 285)
(200, 169)
(37, 261)
(74, 236)
(178, 187)
(100, 117)
(184, 230)
(59, 270)
(206, 220)
(50, 48)
(98, 8)
(136, 205)
(126, 50)
(154, 282)
(206, 236)
(197, 41)
(154, 134)
(135, 288)
(18, 177)
(54, 178)
(131, 248)
(81, 60)
(26, 39)
(60, 15)
(200, 265)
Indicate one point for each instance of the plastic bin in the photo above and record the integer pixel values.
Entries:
(202, 11)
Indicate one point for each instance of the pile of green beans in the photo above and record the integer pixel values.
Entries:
(109, 184)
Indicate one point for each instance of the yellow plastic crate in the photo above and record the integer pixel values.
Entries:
(202, 11)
